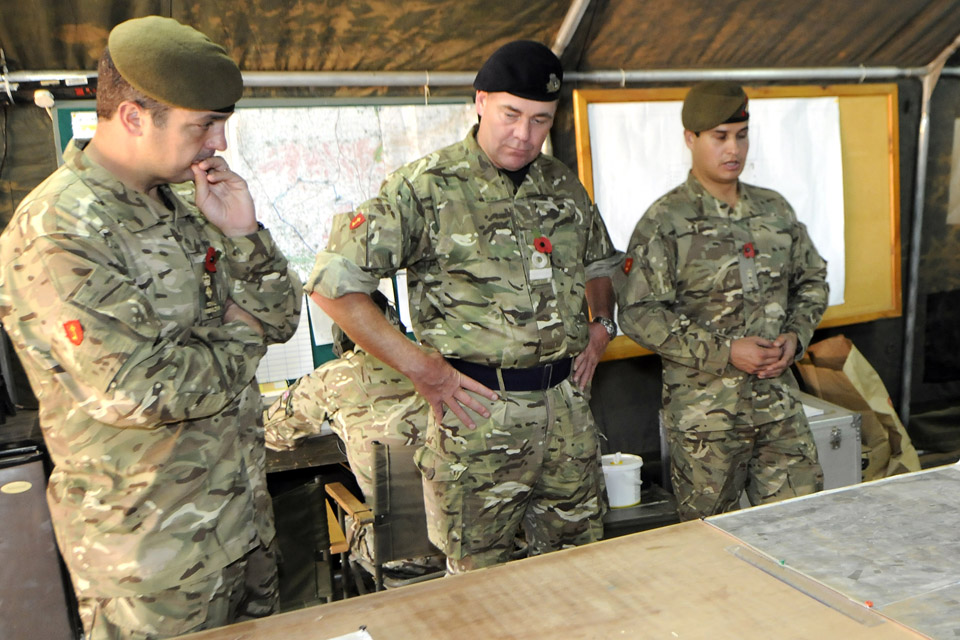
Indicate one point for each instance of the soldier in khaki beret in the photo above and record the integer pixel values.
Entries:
(503, 250)
(724, 283)
(140, 293)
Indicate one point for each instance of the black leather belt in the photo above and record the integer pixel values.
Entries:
(532, 379)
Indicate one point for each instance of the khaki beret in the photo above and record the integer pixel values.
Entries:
(175, 64)
(523, 68)
(711, 104)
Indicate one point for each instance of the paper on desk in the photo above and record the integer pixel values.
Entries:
(360, 634)
(812, 412)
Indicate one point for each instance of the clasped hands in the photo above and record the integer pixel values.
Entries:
(764, 358)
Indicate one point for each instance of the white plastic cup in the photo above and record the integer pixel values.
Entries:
(622, 474)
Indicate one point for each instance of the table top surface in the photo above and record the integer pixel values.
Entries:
(672, 582)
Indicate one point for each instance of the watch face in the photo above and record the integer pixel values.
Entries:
(609, 325)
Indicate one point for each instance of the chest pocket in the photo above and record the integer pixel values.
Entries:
(476, 241)
(773, 241)
(165, 268)
(708, 257)
(562, 222)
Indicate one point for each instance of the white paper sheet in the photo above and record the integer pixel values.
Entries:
(290, 360)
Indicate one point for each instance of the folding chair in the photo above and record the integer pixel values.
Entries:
(395, 515)
(308, 535)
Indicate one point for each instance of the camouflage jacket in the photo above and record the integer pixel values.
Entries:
(363, 399)
(148, 402)
(685, 300)
(478, 289)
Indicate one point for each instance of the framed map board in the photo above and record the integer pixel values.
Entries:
(871, 189)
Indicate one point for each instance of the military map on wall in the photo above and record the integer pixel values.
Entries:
(304, 165)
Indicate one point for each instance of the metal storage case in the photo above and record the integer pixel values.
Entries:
(836, 432)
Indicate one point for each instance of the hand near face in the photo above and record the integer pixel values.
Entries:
(223, 197)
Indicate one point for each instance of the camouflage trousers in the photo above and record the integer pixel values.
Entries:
(773, 461)
(240, 591)
(533, 464)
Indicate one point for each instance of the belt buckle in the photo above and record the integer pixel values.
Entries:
(547, 376)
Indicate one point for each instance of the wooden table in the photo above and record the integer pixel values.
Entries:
(314, 451)
(684, 581)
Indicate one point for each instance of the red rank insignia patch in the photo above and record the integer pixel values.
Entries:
(627, 265)
(357, 221)
(74, 331)
(748, 250)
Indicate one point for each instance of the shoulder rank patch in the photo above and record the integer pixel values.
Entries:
(357, 221)
(627, 265)
(74, 331)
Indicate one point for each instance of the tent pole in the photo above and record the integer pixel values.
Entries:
(569, 26)
(465, 79)
(916, 234)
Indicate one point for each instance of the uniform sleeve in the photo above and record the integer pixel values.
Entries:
(809, 291)
(99, 335)
(301, 410)
(384, 234)
(647, 300)
(263, 284)
(601, 259)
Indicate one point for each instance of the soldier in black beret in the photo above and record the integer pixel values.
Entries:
(141, 293)
(505, 250)
(517, 88)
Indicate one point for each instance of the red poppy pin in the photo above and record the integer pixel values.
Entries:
(627, 265)
(542, 244)
(210, 262)
(74, 331)
(357, 221)
(748, 250)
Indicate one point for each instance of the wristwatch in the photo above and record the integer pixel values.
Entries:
(607, 324)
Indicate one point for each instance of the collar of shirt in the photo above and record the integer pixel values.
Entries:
(144, 211)
(718, 207)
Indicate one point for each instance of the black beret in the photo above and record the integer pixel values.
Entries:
(711, 104)
(523, 68)
(175, 64)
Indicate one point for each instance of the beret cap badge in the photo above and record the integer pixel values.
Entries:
(553, 84)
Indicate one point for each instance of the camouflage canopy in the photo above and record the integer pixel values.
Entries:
(458, 35)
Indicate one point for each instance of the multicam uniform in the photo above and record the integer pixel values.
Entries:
(148, 402)
(701, 274)
(466, 237)
(364, 400)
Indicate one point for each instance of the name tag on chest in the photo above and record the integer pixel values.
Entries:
(540, 269)
(748, 270)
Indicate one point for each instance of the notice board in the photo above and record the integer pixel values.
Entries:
(871, 189)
